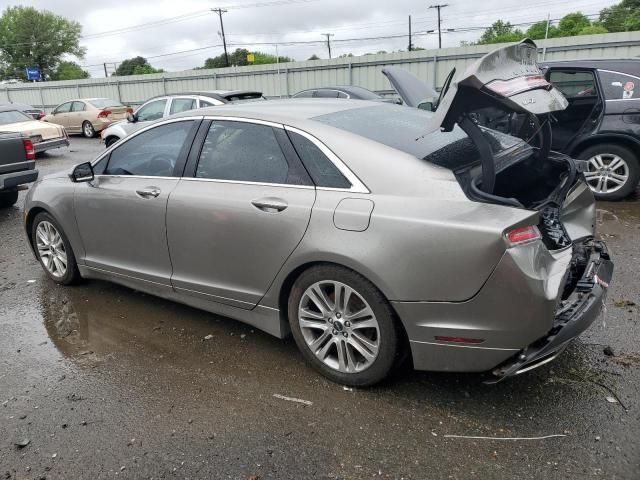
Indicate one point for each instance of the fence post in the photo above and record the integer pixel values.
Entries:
(164, 85)
(435, 72)
(8, 96)
(215, 81)
(42, 100)
(118, 90)
(286, 82)
(350, 75)
(77, 90)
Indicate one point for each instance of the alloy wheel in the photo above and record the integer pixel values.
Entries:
(51, 249)
(606, 173)
(88, 130)
(339, 326)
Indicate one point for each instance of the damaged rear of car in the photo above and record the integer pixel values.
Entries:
(551, 282)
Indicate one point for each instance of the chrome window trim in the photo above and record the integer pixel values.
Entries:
(356, 184)
(242, 182)
(126, 139)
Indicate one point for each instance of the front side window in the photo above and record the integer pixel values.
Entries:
(152, 111)
(182, 105)
(64, 108)
(619, 86)
(153, 153)
(243, 152)
(574, 84)
(322, 170)
(326, 94)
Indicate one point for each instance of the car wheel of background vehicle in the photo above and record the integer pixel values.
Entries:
(88, 130)
(343, 325)
(110, 141)
(54, 250)
(612, 171)
(8, 199)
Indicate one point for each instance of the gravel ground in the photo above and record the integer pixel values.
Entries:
(101, 381)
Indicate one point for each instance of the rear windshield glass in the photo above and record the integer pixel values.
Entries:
(246, 97)
(104, 103)
(403, 128)
(13, 116)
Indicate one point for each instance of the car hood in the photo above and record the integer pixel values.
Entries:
(507, 78)
(35, 128)
(413, 91)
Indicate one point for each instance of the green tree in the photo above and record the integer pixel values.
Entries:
(239, 58)
(572, 24)
(538, 30)
(69, 71)
(32, 38)
(135, 66)
(500, 32)
(262, 58)
(623, 17)
(314, 57)
(593, 30)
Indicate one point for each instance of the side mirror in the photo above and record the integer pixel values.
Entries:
(82, 173)
(132, 118)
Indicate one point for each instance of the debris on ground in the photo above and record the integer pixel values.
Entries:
(292, 399)
(608, 351)
(612, 399)
(471, 437)
(22, 443)
(624, 303)
(208, 337)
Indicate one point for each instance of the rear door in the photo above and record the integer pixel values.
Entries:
(76, 116)
(239, 212)
(622, 98)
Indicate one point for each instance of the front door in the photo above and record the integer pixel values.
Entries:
(121, 214)
(232, 225)
(76, 117)
(61, 114)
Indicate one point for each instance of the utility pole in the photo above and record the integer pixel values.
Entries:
(410, 44)
(328, 35)
(438, 7)
(106, 74)
(220, 11)
(546, 36)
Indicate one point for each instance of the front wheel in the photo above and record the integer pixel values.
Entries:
(343, 325)
(612, 171)
(110, 141)
(54, 250)
(88, 130)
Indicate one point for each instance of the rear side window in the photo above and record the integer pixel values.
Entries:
(322, 170)
(243, 152)
(182, 105)
(153, 153)
(78, 107)
(326, 94)
(574, 84)
(619, 86)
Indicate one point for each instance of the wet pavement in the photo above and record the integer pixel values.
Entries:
(101, 381)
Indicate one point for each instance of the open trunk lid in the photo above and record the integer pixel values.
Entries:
(507, 78)
(412, 91)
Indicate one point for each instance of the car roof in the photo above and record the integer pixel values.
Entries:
(289, 111)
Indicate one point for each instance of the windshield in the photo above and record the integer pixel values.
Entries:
(363, 93)
(104, 103)
(13, 116)
(403, 128)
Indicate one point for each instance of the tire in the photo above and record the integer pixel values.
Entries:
(110, 141)
(338, 332)
(8, 199)
(88, 130)
(71, 273)
(601, 180)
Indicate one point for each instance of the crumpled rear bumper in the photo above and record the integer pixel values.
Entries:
(573, 316)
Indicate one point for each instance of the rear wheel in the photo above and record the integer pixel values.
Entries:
(612, 171)
(8, 199)
(88, 130)
(343, 325)
(54, 250)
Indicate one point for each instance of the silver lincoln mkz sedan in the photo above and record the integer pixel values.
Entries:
(369, 231)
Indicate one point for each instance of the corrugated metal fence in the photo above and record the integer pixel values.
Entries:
(285, 79)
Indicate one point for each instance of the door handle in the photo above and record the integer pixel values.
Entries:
(149, 192)
(270, 204)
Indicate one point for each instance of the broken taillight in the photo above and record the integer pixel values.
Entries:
(510, 87)
(521, 235)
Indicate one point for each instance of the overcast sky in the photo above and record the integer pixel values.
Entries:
(113, 30)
